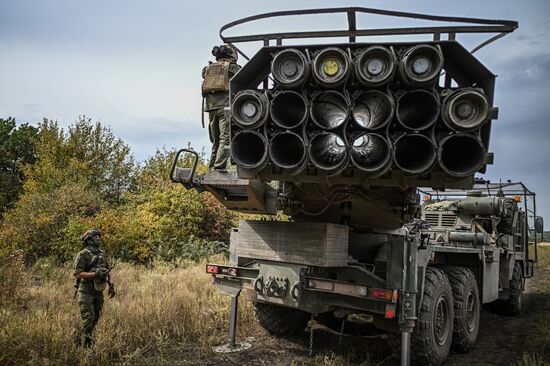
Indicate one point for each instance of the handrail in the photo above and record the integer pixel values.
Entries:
(502, 27)
(484, 25)
(175, 161)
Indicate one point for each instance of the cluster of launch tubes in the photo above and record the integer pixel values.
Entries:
(375, 109)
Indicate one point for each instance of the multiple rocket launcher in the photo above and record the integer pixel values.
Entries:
(374, 109)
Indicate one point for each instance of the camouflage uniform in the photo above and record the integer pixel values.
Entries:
(218, 126)
(90, 291)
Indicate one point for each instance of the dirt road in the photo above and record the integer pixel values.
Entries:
(502, 341)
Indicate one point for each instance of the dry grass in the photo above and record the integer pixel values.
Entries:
(155, 310)
(153, 307)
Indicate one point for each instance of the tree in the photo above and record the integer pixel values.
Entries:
(87, 153)
(17, 148)
(76, 173)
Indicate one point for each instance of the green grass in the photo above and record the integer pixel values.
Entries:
(540, 287)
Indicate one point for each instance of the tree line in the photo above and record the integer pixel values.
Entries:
(55, 183)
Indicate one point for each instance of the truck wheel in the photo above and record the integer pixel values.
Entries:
(432, 336)
(280, 321)
(466, 307)
(512, 305)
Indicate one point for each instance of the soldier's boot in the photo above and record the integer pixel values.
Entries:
(221, 159)
(84, 340)
(88, 341)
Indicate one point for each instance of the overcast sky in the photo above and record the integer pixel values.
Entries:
(135, 65)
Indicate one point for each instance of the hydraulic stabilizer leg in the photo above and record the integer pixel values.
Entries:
(233, 320)
(405, 348)
(232, 346)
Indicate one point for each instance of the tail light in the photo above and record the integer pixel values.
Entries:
(387, 295)
(212, 269)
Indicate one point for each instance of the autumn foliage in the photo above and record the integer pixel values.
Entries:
(86, 177)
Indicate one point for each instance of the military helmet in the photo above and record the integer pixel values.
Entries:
(89, 234)
(225, 51)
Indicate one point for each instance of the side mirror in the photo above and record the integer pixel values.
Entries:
(539, 225)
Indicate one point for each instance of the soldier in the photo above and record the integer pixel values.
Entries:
(91, 270)
(215, 91)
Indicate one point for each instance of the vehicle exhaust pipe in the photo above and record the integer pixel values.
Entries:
(371, 153)
(461, 155)
(328, 151)
(331, 67)
(372, 110)
(249, 149)
(414, 153)
(417, 110)
(290, 68)
(421, 65)
(375, 66)
(287, 150)
(249, 109)
(329, 110)
(288, 109)
(465, 110)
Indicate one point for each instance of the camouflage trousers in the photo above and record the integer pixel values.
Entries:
(218, 129)
(90, 305)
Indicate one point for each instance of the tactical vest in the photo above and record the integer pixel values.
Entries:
(97, 261)
(216, 78)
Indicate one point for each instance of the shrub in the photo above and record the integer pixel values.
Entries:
(38, 223)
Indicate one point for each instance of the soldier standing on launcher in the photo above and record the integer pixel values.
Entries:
(215, 91)
(91, 270)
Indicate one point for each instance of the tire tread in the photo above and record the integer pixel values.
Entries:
(280, 321)
(459, 277)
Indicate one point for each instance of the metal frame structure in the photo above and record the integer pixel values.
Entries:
(508, 189)
(476, 25)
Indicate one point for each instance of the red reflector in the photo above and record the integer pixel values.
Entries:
(212, 269)
(390, 314)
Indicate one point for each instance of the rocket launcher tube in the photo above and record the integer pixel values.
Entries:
(372, 110)
(465, 110)
(375, 66)
(414, 153)
(290, 68)
(249, 109)
(287, 150)
(421, 65)
(249, 149)
(328, 151)
(417, 110)
(331, 67)
(371, 153)
(288, 109)
(461, 155)
(329, 110)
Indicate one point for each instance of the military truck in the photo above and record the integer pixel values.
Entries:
(338, 138)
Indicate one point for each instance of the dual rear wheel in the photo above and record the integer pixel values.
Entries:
(448, 316)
